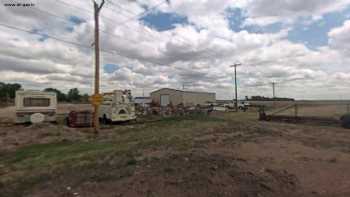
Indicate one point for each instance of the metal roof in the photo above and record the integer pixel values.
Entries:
(197, 92)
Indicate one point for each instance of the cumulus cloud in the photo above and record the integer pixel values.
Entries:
(199, 53)
(339, 38)
(264, 12)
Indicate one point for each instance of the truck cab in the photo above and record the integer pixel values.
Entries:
(242, 105)
(117, 106)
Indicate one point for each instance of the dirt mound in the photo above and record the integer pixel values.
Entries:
(199, 174)
(190, 174)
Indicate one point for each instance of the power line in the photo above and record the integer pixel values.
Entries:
(117, 5)
(44, 35)
(111, 52)
(81, 9)
(74, 6)
(112, 21)
(65, 20)
(138, 16)
(52, 15)
(125, 23)
(69, 22)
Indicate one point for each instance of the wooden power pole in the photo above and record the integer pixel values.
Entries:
(273, 89)
(236, 91)
(97, 97)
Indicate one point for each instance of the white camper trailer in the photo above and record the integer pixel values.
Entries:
(117, 106)
(35, 106)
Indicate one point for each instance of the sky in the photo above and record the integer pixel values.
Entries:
(303, 46)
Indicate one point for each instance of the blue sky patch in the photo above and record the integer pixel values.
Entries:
(110, 68)
(313, 35)
(316, 34)
(237, 17)
(74, 21)
(43, 36)
(162, 21)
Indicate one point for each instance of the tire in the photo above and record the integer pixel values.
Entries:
(345, 121)
(105, 119)
(66, 122)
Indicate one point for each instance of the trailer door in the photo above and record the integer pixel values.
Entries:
(164, 100)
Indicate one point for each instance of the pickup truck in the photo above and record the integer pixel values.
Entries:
(242, 105)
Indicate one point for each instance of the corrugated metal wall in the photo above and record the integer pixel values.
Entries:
(175, 96)
(195, 98)
(187, 98)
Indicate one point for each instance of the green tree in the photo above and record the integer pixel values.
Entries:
(60, 95)
(8, 90)
(73, 95)
(2, 91)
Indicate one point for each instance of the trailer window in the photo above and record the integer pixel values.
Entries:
(36, 102)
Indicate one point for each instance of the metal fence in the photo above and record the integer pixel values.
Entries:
(332, 109)
(319, 112)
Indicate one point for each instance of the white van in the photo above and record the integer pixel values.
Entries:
(31, 103)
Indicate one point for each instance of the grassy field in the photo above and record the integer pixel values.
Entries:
(228, 154)
(39, 162)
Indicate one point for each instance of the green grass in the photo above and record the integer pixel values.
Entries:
(33, 164)
(39, 155)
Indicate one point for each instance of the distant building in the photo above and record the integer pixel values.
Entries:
(143, 101)
(165, 96)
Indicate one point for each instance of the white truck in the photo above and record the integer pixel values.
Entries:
(35, 106)
(117, 106)
(242, 105)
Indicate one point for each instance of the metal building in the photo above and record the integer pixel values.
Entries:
(165, 96)
(143, 101)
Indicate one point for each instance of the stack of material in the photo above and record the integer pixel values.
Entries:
(80, 119)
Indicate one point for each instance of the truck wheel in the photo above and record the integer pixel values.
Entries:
(66, 121)
(345, 121)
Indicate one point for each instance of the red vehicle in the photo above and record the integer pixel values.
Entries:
(80, 119)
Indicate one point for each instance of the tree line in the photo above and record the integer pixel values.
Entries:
(8, 93)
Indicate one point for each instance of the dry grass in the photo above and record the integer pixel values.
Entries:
(226, 154)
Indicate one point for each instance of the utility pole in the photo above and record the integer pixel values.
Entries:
(236, 92)
(273, 89)
(97, 9)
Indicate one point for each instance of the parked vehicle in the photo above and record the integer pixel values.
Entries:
(77, 119)
(117, 106)
(35, 106)
(242, 105)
